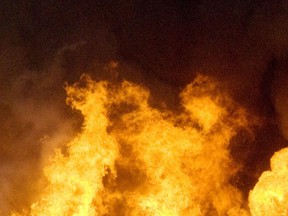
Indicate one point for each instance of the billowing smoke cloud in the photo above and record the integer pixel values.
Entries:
(33, 121)
(160, 44)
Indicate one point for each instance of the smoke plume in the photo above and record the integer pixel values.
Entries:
(159, 44)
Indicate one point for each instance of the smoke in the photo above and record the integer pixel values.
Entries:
(160, 44)
(281, 106)
(33, 121)
(281, 97)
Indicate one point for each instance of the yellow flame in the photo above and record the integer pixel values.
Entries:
(270, 195)
(76, 180)
(133, 159)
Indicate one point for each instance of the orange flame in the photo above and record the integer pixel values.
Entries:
(134, 159)
(270, 195)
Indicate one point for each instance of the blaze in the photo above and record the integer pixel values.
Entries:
(134, 159)
(75, 180)
(270, 195)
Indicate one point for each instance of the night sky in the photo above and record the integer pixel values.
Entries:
(161, 44)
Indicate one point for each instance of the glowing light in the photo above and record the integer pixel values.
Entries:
(133, 159)
(270, 195)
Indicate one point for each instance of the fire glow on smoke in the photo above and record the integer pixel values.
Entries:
(134, 159)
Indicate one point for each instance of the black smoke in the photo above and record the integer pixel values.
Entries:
(161, 44)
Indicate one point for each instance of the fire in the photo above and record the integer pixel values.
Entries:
(134, 159)
(270, 195)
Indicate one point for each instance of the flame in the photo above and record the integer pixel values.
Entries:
(270, 195)
(134, 159)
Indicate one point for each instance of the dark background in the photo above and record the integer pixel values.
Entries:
(162, 44)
